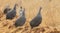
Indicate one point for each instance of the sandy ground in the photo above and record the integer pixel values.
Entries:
(50, 16)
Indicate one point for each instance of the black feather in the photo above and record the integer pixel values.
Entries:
(21, 20)
(12, 13)
(36, 20)
(6, 10)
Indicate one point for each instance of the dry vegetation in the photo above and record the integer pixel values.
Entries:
(50, 14)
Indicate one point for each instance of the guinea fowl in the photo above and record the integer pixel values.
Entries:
(21, 20)
(12, 13)
(37, 20)
(7, 9)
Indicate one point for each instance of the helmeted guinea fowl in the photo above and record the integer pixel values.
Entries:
(7, 9)
(36, 20)
(21, 20)
(12, 13)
